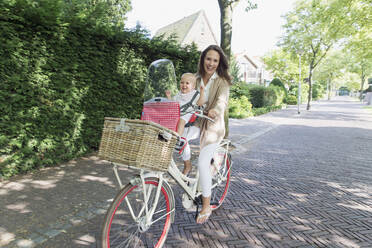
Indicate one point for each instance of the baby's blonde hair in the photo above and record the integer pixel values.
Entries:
(191, 75)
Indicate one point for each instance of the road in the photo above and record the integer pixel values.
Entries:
(297, 181)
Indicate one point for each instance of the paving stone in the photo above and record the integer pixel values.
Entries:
(297, 181)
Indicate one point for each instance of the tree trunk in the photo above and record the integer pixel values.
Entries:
(226, 10)
(363, 78)
(310, 95)
(330, 86)
(329, 89)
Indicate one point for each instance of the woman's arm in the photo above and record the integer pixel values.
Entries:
(220, 102)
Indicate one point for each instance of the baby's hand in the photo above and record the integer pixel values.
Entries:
(168, 94)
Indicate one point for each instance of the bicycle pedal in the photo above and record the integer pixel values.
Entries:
(198, 200)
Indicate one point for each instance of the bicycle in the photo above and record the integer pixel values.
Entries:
(142, 211)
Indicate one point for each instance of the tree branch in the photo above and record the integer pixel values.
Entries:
(324, 54)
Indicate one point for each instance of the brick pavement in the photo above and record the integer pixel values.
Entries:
(297, 181)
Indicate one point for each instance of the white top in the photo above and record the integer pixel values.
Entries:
(209, 84)
(185, 98)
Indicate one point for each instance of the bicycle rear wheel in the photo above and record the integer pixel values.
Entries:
(220, 177)
(120, 229)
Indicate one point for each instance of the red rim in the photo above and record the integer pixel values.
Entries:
(166, 221)
(226, 185)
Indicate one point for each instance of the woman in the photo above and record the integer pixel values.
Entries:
(213, 75)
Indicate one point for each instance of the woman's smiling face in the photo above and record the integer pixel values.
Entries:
(211, 61)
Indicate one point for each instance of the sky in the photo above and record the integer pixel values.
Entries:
(255, 32)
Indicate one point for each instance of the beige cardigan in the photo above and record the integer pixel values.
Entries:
(213, 132)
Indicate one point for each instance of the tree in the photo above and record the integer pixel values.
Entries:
(226, 10)
(235, 70)
(100, 12)
(312, 28)
(360, 65)
(351, 81)
(283, 66)
(330, 69)
(358, 46)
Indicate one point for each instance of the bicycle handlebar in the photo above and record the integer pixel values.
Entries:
(198, 111)
(204, 116)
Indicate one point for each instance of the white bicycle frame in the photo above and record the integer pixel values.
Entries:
(177, 175)
(188, 184)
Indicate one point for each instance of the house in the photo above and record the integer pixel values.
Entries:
(194, 28)
(253, 69)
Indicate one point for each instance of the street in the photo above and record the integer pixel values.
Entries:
(297, 181)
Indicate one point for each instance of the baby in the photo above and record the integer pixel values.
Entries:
(187, 91)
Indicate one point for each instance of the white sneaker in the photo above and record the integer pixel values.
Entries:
(191, 209)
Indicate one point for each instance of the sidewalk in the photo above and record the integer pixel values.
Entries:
(45, 206)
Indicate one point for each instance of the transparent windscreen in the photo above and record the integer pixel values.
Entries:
(160, 78)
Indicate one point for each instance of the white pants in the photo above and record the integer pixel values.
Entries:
(186, 117)
(204, 161)
(204, 166)
(189, 133)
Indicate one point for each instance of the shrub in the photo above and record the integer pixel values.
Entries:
(274, 96)
(58, 82)
(240, 107)
(256, 95)
(293, 90)
(239, 89)
(290, 100)
(318, 91)
(261, 96)
(264, 110)
(277, 82)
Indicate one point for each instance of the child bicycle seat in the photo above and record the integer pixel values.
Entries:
(163, 112)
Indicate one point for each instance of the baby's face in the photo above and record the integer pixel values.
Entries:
(187, 84)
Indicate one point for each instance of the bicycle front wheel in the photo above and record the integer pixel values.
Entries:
(126, 223)
(220, 177)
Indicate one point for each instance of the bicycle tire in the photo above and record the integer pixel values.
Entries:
(121, 230)
(220, 191)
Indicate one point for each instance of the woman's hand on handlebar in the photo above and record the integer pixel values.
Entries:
(202, 115)
(199, 111)
(212, 113)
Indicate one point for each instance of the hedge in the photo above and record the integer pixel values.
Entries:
(248, 100)
(261, 96)
(240, 107)
(59, 81)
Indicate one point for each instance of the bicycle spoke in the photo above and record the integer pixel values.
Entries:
(160, 211)
(162, 217)
(126, 241)
(121, 229)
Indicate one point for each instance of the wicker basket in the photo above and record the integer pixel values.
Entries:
(137, 143)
